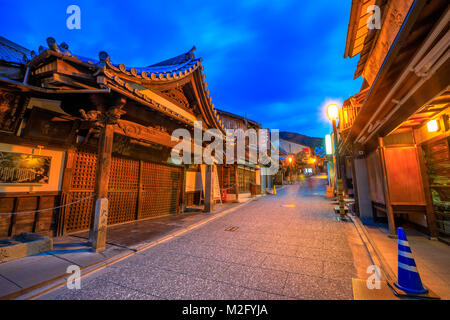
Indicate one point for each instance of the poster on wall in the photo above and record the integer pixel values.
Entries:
(22, 168)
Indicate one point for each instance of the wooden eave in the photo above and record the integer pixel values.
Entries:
(357, 27)
(427, 112)
(413, 33)
(208, 111)
(361, 40)
(105, 75)
(145, 78)
(122, 87)
(193, 73)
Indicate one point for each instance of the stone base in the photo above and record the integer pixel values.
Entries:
(337, 210)
(24, 245)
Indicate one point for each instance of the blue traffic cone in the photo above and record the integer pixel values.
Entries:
(408, 276)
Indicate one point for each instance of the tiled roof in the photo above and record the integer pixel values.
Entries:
(182, 58)
(171, 69)
(12, 52)
(238, 117)
(147, 100)
(174, 68)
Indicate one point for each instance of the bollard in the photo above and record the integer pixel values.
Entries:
(97, 238)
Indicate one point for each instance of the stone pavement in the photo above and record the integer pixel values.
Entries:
(432, 257)
(287, 246)
(20, 276)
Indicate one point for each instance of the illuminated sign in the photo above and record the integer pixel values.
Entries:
(328, 144)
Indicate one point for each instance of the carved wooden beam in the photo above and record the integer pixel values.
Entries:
(157, 134)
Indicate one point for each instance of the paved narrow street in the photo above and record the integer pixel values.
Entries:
(287, 246)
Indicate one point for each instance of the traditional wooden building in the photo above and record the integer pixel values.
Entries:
(240, 180)
(395, 132)
(75, 129)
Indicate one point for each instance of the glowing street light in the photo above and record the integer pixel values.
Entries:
(333, 112)
(290, 159)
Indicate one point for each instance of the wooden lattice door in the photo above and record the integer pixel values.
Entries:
(80, 193)
(123, 190)
(136, 190)
(161, 189)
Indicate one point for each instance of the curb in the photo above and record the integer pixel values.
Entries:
(360, 291)
(42, 288)
(374, 253)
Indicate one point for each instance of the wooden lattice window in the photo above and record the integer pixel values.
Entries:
(246, 176)
(226, 176)
(437, 156)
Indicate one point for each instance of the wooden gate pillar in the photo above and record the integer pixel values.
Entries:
(236, 180)
(209, 202)
(183, 191)
(105, 145)
(105, 119)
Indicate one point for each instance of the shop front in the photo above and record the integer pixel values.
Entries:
(395, 131)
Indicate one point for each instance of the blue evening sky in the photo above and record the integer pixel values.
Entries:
(276, 62)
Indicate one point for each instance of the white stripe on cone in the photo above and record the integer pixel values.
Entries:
(406, 267)
(403, 243)
(405, 254)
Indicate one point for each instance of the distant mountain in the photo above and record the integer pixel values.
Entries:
(302, 139)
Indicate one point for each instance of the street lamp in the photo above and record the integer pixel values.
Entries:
(290, 159)
(333, 115)
(333, 112)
